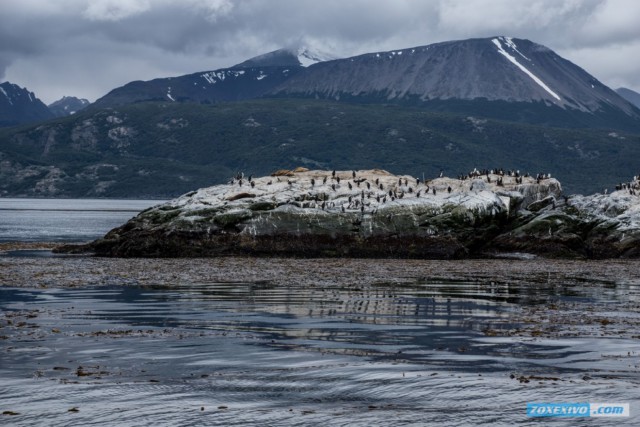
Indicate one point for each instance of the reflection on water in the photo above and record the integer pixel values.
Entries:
(256, 353)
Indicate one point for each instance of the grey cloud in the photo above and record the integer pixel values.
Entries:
(85, 48)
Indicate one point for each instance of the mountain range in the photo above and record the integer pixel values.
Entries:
(493, 102)
(20, 106)
(67, 106)
(475, 76)
(254, 78)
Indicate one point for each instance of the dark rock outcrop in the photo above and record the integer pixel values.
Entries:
(598, 226)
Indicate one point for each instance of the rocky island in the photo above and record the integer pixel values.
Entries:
(373, 213)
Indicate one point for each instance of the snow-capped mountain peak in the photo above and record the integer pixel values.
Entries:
(67, 106)
(299, 55)
(308, 56)
(19, 105)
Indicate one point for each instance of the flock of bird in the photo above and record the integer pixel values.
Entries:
(632, 186)
(365, 191)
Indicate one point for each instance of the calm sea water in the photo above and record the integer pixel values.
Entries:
(64, 220)
(191, 351)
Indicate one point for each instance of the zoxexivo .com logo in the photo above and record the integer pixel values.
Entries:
(578, 409)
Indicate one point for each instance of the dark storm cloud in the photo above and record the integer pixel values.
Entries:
(85, 48)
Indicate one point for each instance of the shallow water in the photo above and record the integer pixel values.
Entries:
(64, 220)
(262, 352)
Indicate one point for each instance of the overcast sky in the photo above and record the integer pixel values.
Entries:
(87, 47)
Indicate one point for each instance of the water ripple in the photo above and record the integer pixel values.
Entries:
(252, 353)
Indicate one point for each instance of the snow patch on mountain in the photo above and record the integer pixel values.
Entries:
(309, 56)
(509, 41)
(67, 105)
(212, 77)
(7, 95)
(523, 68)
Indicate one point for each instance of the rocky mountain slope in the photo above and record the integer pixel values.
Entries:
(208, 87)
(498, 68)
(19, 106)
(499, 77)
(630, 95)
(250, 79)
(165, 149)
(67, 106)
(374, 213)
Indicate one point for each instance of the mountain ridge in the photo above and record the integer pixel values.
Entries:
(495, 68)
(162, 149)
(68, 105)
(630, 95)
(205, 87)
(20, 106)
(465, 76)
(301, 55)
